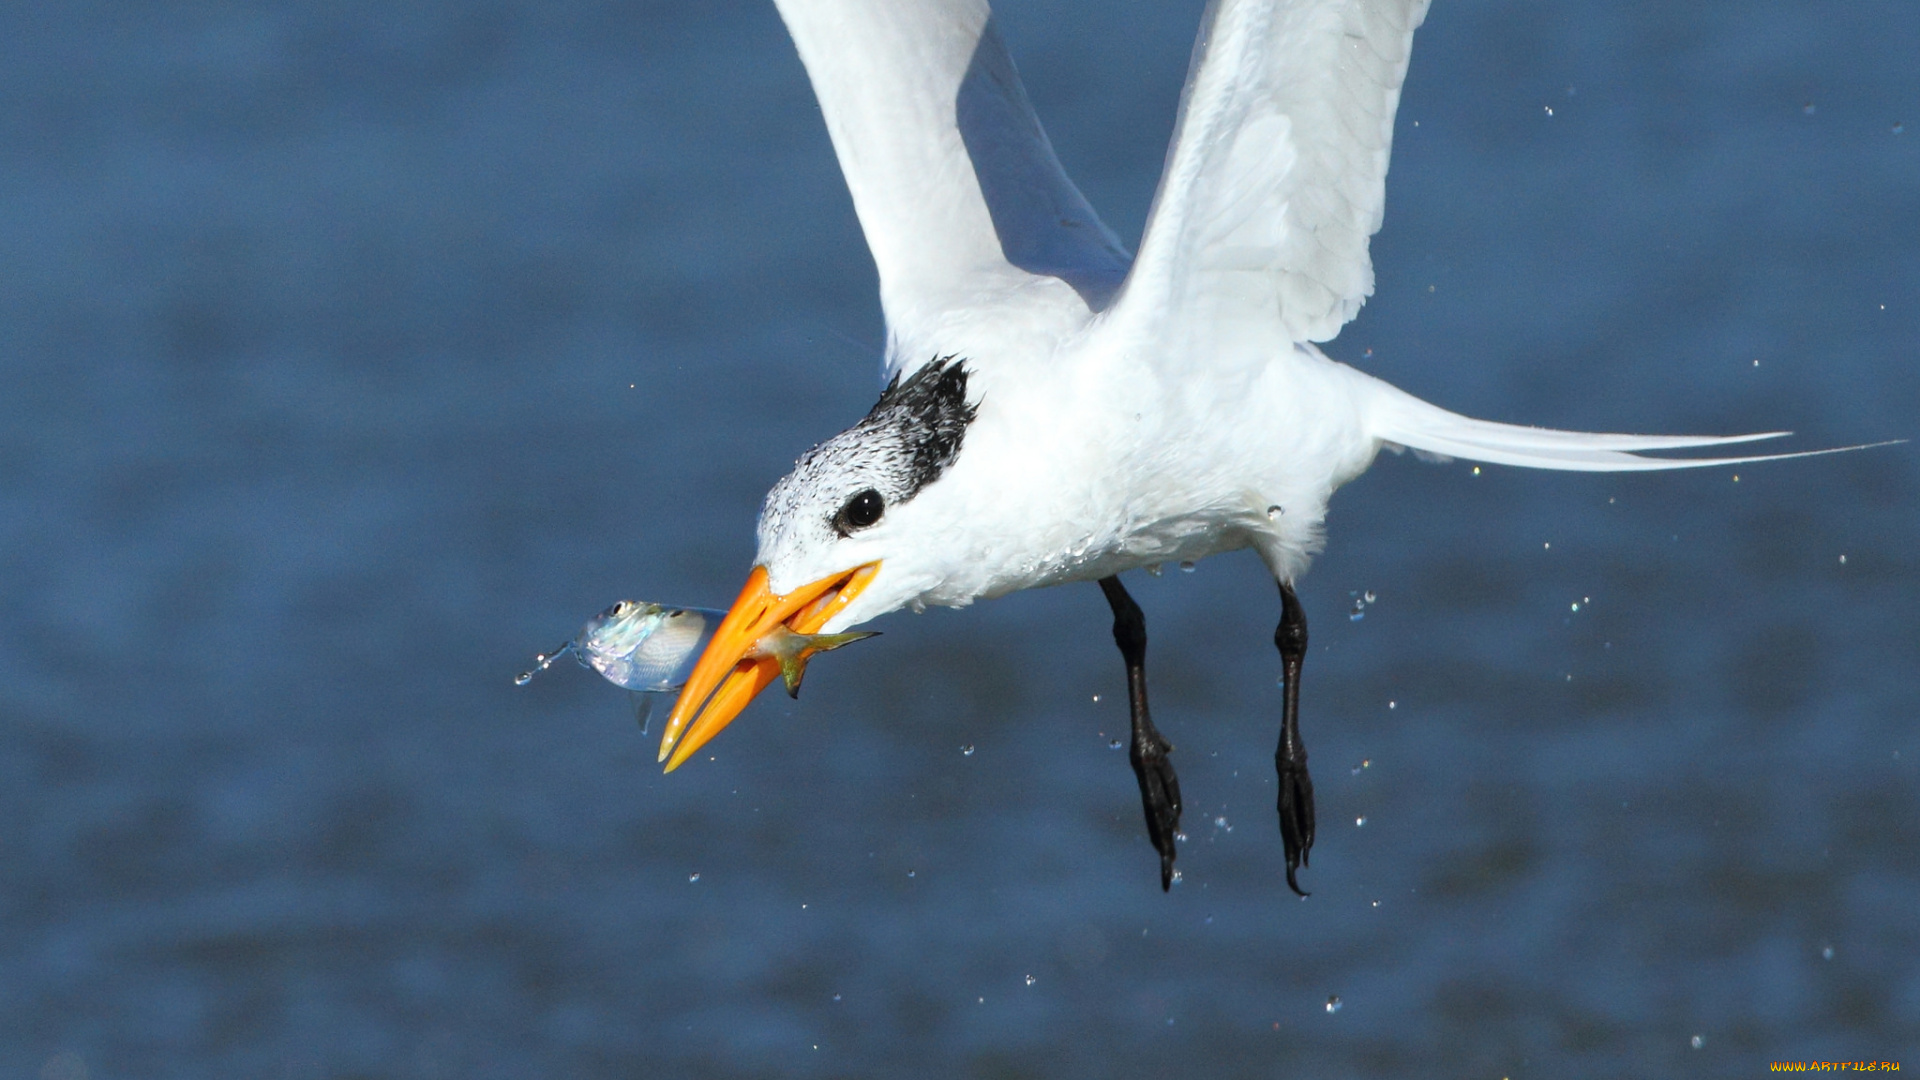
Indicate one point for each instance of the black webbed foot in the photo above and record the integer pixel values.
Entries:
(1295, 802)
(1159, 795)
(1296, 812)
(1159, 787)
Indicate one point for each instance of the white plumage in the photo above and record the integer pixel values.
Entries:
(1064, 412)
(1130, 411)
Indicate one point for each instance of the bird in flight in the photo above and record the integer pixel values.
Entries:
(1060, 410)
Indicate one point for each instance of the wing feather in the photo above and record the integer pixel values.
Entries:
(958, 190)
(1276, 179)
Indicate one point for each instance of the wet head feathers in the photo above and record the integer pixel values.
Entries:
(905, 442)
(930, 412)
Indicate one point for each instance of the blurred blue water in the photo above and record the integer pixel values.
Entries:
(355, 352)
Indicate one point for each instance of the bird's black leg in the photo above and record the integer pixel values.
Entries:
(1290, 758)
(1159, 788)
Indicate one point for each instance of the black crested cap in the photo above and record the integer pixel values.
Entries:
(929, 411)
(905, 442)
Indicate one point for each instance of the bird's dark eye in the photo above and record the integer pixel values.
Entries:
(860, 512)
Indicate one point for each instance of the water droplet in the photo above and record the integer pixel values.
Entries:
(1843, 560)
(1359, 821)
(1368, 354)
(1186, 566)
(1176, 877)
(1898, 127)
(1369, 597)
(1359, 612)
(1807, 109)
(693, 877)
(1546, 545)
(1697, 1041)
(836, 997)
(1576, 606)
(1155, 569)
(1364, 762)
(967, 750)
(1333, 1003)
(1221, 823)
(541, 662)
(1096, 699)
(1826, 953)
(1115, 744)
(911, 873)
(1476, 470)
(917, 606)
(1376, 903)
(1274, 512)
(1029, 980)
(1393, 704)
(1180, 837)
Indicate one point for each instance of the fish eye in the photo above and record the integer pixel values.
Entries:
(860, 512)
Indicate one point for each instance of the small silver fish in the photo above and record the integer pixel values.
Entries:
(645, 647)
(650, 649)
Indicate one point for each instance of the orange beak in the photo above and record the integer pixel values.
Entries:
(729, 675)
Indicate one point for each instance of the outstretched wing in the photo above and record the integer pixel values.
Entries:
(1277, 174)
(958, 190)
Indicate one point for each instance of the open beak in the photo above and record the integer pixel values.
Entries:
(733, 670)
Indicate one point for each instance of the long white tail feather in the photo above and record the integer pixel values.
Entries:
(1398, 419)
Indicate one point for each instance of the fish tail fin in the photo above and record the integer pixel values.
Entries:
(792, 670)
(793, 665)
(830, 642)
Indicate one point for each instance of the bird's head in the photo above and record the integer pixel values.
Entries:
(844, 537)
